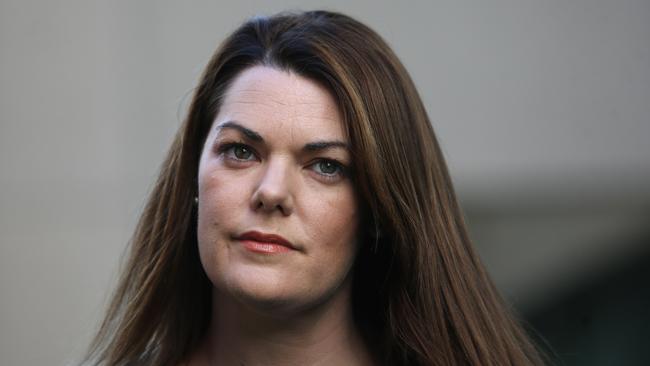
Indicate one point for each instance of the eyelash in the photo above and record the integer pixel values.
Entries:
(226, 149)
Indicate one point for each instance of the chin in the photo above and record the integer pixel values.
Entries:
(266, 294)
(281, 298)
(263, 303)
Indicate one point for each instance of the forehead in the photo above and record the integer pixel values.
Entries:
(278, 102)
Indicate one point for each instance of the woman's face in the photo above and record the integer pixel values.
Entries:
(278, 213)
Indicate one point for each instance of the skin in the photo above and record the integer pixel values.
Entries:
(291, 307)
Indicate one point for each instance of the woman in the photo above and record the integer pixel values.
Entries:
(305, 215)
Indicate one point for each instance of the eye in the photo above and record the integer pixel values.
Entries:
(242, 152)
(330, 170)
(237, 151)
(327, 167)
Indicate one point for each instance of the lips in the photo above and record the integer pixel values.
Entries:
(258, 242)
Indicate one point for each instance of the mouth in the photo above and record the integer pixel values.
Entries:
(258, 242)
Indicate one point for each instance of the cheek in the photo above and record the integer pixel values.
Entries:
(220, 195)
(222, 200)
(334, 222)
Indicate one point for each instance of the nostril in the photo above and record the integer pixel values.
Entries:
(273, 191)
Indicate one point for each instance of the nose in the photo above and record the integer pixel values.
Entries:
(273, 190)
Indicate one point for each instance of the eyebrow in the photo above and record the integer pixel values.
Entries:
(312, 146)
(323, 145)
(246, 131)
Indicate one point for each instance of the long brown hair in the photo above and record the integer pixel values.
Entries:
(420, 294)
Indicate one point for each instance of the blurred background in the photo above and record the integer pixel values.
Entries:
(542, 109)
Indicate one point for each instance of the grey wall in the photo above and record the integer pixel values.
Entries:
(542, 108)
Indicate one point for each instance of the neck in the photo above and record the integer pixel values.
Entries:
(322, 335)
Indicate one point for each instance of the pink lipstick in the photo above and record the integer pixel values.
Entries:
(257, 242)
